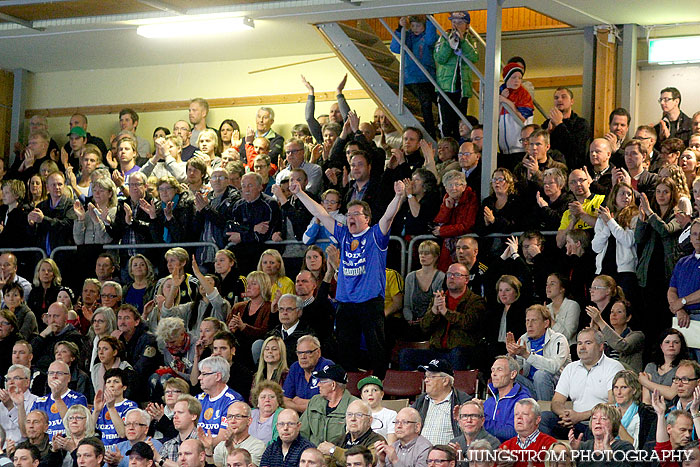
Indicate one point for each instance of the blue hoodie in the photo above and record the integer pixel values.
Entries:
(422, 47)
(498, 413)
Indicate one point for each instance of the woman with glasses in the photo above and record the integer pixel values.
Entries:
(605, 293)
(90, 226)
(502, 210)
(457, 214)
(103, 321)
(171, 218)
(556, 199)
(605, 427)
(331, 200)
(78, 424)
(162, 414)
(659, 373)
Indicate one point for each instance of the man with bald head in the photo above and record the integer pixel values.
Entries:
(583, 211)
(57, 329)
(466, 252)
(288, 448)
(312, 457)
(238, 419)
(600, 153)
(8, 274)
(358, 425)
(410, 448)
(191, 454)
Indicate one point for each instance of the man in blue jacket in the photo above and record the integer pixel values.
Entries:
(505, 392)
(421, 41)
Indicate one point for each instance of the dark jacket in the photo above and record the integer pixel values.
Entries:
(463, 325)
(571, 138)
(290, 342)
(57, 224)
(138, 231)
(548, 218)
(507, 219)
(39, 300)
(294, 211)
(43, 346)
(142, 353)
(14, 228)
(515, 323)
(217, 213)
(458, 398)
(180, 227)
(372, 196)
(682, 129)
(647, 236)
(248, 214)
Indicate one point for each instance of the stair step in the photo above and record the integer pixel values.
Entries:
(375, 55)
(359, 35)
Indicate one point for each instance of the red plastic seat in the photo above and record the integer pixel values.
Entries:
(403, 383)
(467, 381)
(354, 377)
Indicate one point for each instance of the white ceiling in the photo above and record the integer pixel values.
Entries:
(281, 28)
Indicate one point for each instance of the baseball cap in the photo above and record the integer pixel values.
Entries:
(142, 449)
(334, 372)
(369, 380)
(438, 366)
(77, 130)
(460, 15)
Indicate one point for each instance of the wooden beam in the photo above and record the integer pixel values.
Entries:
(605, 66)
(220, 102)
(6, 92)
(245, 101)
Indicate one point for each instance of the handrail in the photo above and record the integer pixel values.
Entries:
(402, 68)
(473, 67)
(139, 246)
(27, 249)
(427, 75)
(417, 238)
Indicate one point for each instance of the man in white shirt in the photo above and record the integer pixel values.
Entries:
(587, 382)
(17, 382)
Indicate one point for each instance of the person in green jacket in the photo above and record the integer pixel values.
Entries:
(453, 75)
(324, 418)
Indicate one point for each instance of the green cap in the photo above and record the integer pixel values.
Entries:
(77, 130)
(369, 380)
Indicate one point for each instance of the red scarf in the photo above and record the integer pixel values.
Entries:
(179, 353)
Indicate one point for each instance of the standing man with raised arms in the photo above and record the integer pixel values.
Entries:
(362, 275)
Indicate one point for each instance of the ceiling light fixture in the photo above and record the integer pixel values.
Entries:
(674, 50)
(198, 27)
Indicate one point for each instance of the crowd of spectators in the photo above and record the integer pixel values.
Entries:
(235, 350)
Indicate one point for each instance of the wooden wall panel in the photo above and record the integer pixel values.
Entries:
(6, 89)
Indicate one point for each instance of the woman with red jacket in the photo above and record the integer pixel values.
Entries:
(457, 214)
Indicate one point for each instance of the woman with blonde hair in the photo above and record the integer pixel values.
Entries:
(208, 143)
(617, 222)
(272, 264)
(89, 227)
(47, 283)
(140, 290)
(688, 162)
(251, 320)
(676, 174)
(605, 426)
(508, 316)
(272, 365)
(502, 210)
(421, 285)
(13, 215)
(78, 426)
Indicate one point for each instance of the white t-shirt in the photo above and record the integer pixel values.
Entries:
(383, 421)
